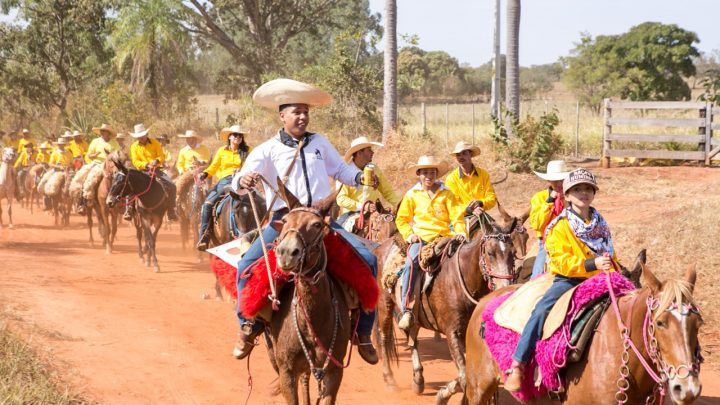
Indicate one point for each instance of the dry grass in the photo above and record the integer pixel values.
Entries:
(26, 376)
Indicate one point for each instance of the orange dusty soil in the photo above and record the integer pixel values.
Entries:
(122, 334)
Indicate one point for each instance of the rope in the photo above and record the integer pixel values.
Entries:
(273, 288)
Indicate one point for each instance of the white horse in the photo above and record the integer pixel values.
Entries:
(7, 181)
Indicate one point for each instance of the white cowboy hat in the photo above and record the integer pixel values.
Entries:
(225, 132)
(556, 170)
(189, 134)
(428, 161)
(279, 92)
(25, 131)
(44, 145)
(61, 141)
(67, 134)
(359, 144)
(139, 131)
(77, 133)
(462, 145)
(120, 135)
(104, 127)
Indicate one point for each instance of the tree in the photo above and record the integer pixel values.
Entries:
(649, 62)
(512, 66)
(710, 82)
(412, 70)
(54, 48)
(391, 67)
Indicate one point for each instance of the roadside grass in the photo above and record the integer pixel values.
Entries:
(28, 377)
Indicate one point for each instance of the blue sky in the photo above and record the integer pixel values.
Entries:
(548, 28)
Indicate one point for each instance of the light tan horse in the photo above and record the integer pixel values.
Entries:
(662, 322)
(7, 182)
(107, 217)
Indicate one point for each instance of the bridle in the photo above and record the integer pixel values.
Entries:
(373, 230)
(489, 275)
(132, 196)
(315, 244)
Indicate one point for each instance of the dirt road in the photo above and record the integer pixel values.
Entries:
(125, 335)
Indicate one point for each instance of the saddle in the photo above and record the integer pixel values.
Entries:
(435, 253)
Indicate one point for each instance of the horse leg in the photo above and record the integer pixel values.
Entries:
(288, 386)
(1, 221)
(418, 384)
(331, 387)
(158, 225)
(139, 238)
(456, 344)
(114, 226)
(218, 289)
(305, 382)
(88, 215)
(386, 338)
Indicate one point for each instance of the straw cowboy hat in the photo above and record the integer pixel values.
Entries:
(61, 141)
(45, 145)
(67, 134)
(360, 143)
(77, 133)
(104, 127)
(428, 162)
(278, 92)
(189, 134)
(235, 129)
(25, 131)
(139, 131)
(462, 145)
(556, 170)
(120, 135)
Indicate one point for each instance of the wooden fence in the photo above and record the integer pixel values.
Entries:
(707, 146)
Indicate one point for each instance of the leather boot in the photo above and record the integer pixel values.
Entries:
(367, 350)
(246, 342)
(205, 218)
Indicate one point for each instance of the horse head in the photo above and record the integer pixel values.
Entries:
(519, 233)
(381, 223)
(672, 333)
(8, 155)
(497, 251)
(300, 249)
(120, 185)
(245, 219)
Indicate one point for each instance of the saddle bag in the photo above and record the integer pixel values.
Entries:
(583, 327)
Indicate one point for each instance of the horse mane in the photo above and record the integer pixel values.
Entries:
(674, 291)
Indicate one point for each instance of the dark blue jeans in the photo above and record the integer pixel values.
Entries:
(540, 259)
(366, 320)
(533, 329)
(206, 210)
(406, 284)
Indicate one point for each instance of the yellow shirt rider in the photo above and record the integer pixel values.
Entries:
(78, 148)
(101, 146)
(351, 199)
(471, 184)
(24, 139)
(427, 211)
(44, 153)
(61, 156)
(227, 160)
(25, 158)
(191, 153)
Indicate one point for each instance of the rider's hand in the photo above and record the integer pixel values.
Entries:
(603, 263)
(203, 176)
(459, 237)
(413, 239)
(375, 183)
(249, 180)
(478, 211)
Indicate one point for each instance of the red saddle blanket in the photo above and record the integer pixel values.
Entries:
(344, 264)
(551, 353)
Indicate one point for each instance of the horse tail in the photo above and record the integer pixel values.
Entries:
(387, 334)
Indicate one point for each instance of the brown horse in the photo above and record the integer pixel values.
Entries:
(31, 195)
(107, 216)
(661, 315)
(312, 310)
(191, 192)
(478, 267)
(152, 203)
(7, 182)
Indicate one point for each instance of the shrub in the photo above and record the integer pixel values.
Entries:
(533, 144)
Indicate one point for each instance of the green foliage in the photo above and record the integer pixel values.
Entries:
(649, 62)
(121, 106)
(710, 83)
(534, 142)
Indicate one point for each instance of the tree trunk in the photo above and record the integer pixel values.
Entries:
(495, 89)
(512, 64)
(390, 78)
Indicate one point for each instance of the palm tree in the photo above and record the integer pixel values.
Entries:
(512, 64)
(390, 78)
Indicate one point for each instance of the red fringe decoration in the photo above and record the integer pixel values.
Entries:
(343, 263)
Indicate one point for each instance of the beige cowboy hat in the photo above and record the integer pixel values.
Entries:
(104, 127)
(360, 143)
(556, 170)
(77, 133)
(67, 134)
(25, 131)
(428, 161)
(120, 135)
(189, 134)
(45, 145)
(225, 132)
(139, 131)
(462, 145)
(61, 141)
(278, 92)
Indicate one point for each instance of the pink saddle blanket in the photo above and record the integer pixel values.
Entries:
(551, 353)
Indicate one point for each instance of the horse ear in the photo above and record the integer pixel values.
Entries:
(636, 272)
(285, 194)
(524, 217)
(119, 165)
(277, 225)
(649, 280)
(506, 217)
(379, 207)
(691, 276)
(326, 205)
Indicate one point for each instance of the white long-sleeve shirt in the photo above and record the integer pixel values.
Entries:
(309, 178)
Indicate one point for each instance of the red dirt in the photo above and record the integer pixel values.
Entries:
(123, 334)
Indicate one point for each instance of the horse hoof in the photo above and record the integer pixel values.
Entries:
(440, 397)
(10, 226)
(418, 385)
(157, 269)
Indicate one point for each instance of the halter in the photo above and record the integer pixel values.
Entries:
(488, 274)
(136, 196)
(314, 244)
(665, 371)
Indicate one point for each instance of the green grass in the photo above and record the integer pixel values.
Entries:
(25, 378)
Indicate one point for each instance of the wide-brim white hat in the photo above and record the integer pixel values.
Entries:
(189, 134)
(120, 135)
(359, 144)
(462, 145)
(60, 141)
(67, 134)
(279, 92)
(235, 129)
(77, 133)
(104, 127)
(556, 170)
(428, 162)
(139, 131)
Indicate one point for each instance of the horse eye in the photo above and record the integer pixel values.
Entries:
(660, 324)
(317, 225)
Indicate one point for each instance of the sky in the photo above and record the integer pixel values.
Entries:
(548, 28)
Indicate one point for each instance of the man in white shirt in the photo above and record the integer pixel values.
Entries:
(308, 181)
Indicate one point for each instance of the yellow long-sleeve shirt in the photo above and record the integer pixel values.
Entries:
(43, 157)
(224, 163)
(567, 255)
(540, 212)
(186, 155)
(351, 199)
(141, 155)
(22, 142)
(62, 158)
(78, 148)
(476, 186)
(23, 159)
(429, 218)
(99, 146)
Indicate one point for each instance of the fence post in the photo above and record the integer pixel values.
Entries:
(217, 117)
(473, 123)
(447, 125)
(577, 129)
(423, 118)
(707, 132)
(607, 129)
